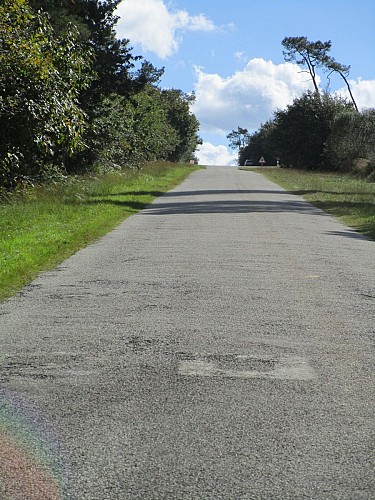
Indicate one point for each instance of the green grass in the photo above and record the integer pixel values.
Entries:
(47, 224)
(350, 199)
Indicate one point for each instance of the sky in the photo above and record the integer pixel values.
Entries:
(229, 54)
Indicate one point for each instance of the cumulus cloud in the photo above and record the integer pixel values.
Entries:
(183, 20)
(208, 154)
(363, 92)
(151, 25)
(248, 97)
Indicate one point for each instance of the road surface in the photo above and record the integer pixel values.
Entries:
(217, 345)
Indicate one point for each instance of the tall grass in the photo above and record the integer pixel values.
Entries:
(43, 225)
(350, 199)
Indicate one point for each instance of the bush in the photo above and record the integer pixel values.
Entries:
(41, 76)
(351, 145)
(299, 134)
(126, 133)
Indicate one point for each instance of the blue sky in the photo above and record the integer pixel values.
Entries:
(230, 54)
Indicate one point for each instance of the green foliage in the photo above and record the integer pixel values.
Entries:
(44, 226)
(41, 77)
(152, 125)
(317, 131)
(183, 122)
(306, 54)
(95, 21)
(313, 55)
(153, 138)
(299, 133)
(131, 132)
(73, 97)
(257, 146)
(238, 138)
(111, 125)
(343, 196)
(351, 145)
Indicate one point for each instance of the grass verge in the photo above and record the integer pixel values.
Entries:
(347, 198)
(47, 224)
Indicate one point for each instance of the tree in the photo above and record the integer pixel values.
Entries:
(305, 53)
(129, 132)
(74, 97)
(114, 62)
(183, 121)
(257, 146)
(300, 133)
(117, 70)
(154, 138)
(335, 67)
(238, 138)
(315, 55)
(41, 77)
(352, 140)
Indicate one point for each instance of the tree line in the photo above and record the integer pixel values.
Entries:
(319, 130)
(74, 98)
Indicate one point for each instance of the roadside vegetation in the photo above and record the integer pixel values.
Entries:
(319, 130)
(42, 225)
(75, 99)
(350, 199)
(87, 137)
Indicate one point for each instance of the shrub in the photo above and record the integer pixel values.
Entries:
(351, 145)
(299, 134)
(41, 76)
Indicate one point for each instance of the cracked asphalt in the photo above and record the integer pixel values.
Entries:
(217, 345)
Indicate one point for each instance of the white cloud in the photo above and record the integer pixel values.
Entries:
(240, 56)
(151, 25)
(208, 154)
(363, 92)
(248, 97)
(183, 20)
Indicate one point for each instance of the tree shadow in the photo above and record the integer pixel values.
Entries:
(205, 192)
(349, 234)
(230, 207)
(210, 192)
(129, 206)
(223, 206)
(155, 194)
(302, 192)
(169, 204)
(341, 209)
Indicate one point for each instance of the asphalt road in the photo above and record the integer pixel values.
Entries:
(217, 345)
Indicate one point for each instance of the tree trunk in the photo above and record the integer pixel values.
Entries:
(349, 89)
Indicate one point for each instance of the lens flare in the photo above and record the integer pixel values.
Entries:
(31, 464)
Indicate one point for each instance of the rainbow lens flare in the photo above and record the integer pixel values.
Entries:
(31, 465)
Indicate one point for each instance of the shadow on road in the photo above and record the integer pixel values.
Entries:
(229, 202)
(233, 201)
(230, 206)
(196, 193)
(349, 234)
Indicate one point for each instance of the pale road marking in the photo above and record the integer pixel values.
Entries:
(285, 368)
